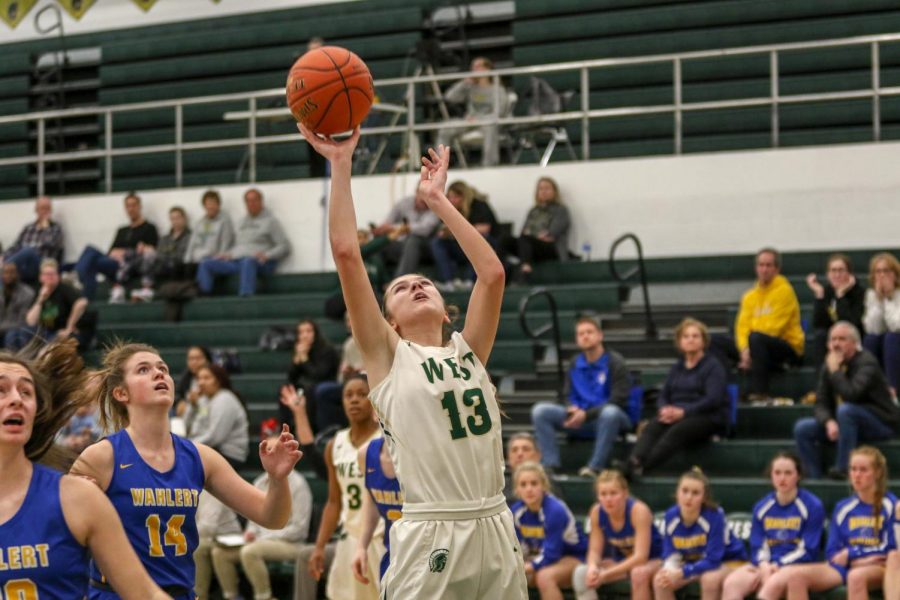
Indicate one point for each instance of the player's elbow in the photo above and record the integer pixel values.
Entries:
(276, 520)
(344, 250)
(493, 274)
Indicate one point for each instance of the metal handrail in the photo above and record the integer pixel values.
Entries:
(553, 326)
(677, 107)
(650, 326)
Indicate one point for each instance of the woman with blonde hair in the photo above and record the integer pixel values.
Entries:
(154, 478)
(448, 254)
(545, 234)
(624, 541)
(553, 543)
(881, 318)
(692, 406)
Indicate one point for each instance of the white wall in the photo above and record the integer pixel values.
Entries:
(727, 203)
(119, 14)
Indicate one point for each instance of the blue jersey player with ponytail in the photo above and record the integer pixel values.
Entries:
(154, 478)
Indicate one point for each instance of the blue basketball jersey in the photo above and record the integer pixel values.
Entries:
(854, 527)
(157, 510)
(619, 545)
(787, 534)
(385, 492)
(703, 545)
(39, 557)
(548, 534)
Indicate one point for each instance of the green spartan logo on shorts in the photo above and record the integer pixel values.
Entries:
(438, 560)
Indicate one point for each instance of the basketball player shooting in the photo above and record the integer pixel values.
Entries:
(435, 402)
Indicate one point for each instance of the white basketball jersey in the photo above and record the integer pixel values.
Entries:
(441, 423)
(352, 481)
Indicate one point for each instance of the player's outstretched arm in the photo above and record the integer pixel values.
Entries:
(376, 339)
(483, 314)
(94, 523)
(272, 508)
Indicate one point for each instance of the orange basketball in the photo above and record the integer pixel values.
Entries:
(330, 90)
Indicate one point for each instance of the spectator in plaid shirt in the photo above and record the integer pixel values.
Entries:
(37, 241)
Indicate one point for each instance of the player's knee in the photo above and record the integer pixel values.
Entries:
(893, 560)
(639, 576)
(658, 581)
(543, 579)
(710, 582)
(856, 582)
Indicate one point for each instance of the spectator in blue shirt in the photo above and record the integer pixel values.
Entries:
(693, 403)
(599, 386)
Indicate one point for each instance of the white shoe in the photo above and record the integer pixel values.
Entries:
(445, 286)
(463, 284)
(142, 295)
(117, 295)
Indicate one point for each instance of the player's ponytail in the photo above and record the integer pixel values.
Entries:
(879, 465)
(60, 381)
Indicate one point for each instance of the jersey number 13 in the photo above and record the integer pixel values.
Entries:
(478, 423)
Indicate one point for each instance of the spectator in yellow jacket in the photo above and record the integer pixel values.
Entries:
(767, 331)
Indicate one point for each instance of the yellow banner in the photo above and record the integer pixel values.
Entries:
(76, 8)
(13, 11)
(145, 4)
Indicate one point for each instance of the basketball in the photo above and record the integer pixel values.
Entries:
(330, 90)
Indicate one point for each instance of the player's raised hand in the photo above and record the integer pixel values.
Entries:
(330, 148)
(279, 456)
(433, 177)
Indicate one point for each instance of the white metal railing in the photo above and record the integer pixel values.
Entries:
(584, 114)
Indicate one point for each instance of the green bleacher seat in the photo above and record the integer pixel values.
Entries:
(13, 86)
(169, 61)
(542, 8)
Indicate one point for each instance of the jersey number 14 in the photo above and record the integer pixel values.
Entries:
(172, 536)
(478, 423)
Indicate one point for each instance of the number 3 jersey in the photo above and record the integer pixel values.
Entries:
(39, 557)
(352, 481)
(157, 509)
(442, 424)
